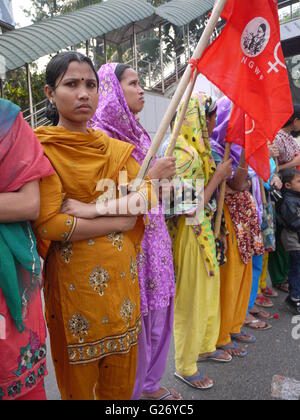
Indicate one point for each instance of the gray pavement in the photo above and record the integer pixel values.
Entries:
(275, 352)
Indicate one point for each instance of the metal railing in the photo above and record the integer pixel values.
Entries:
(289, 13)
(152, 75)
(38, 117)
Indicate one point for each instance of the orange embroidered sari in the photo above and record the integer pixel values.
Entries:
(91, 285)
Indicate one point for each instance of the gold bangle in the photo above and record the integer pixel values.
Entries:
(144, 196)
(72, 230)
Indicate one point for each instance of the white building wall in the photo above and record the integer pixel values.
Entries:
(153, 112)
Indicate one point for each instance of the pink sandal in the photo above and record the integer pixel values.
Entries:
(269, 293)
(260, 314)
(264, 302)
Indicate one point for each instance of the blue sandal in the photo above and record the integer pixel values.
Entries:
(214, 357)
(234, 347)
(188, 380)
(241, 338)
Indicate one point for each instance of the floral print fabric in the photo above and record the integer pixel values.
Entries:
(246, 224)
(288, 147)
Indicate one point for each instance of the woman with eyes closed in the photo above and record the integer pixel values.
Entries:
(91, 281)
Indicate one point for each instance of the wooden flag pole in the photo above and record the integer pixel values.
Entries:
(181, 116)
(176, 132)
(221, 199)
(184, 82)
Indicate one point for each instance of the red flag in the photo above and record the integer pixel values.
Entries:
(236, 127)
(246, 62)
(243, 131)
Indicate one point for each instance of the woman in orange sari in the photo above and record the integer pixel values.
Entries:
(91, 280)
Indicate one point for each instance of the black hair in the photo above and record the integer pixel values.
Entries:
(287, 175)
(295, 115)
(173, 120)
(120, 69)
(57, 67)
(263, 26)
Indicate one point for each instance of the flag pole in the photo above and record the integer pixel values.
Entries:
(184, 82)
(221, 199)
(177, 129)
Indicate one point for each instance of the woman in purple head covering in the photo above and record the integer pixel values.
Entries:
(121, 99)
(244, 241)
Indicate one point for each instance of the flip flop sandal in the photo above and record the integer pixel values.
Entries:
(264, 302)
(214, 358)
(242, 337)
(234, 347)
(189, 380)
(255, 322)
(269, 293)
(283, 288)
(167, 395)
(261, 314)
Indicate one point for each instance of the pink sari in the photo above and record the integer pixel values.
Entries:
(22, 355)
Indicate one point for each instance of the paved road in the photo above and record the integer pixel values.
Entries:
(276, 352)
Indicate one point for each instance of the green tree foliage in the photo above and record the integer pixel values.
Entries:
(78, 4)
(16, 90)
(43, 9)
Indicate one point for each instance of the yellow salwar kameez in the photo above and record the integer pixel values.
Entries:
(236, 282)
(197, 301)
(91, 286)
(264, 274)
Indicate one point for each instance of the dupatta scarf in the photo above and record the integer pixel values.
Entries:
(69, 151)
(195, 161)
(21, 161)
(114, 117)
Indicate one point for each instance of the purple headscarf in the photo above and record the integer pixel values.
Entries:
(218, 140)
(114, 117)
(218, 137)
(155, 264)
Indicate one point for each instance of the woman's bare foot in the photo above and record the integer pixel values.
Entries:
(256, 324)
(162, 394)
(198, 380)
(217, 356)
(234, 349)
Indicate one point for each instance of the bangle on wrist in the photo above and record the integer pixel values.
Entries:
(144, 196)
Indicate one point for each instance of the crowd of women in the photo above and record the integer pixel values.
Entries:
(111, 299)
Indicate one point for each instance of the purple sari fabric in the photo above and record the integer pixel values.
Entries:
(155, 263)
(218, 146)
(219, 134)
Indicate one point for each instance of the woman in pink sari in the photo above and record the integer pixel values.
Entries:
(121, 99)
(22, 325)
